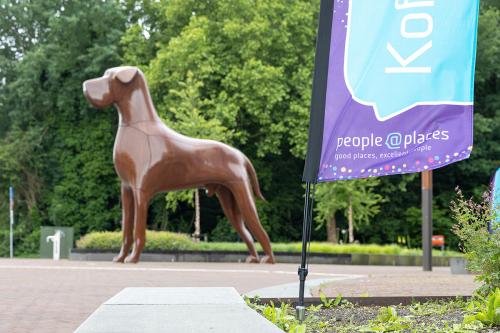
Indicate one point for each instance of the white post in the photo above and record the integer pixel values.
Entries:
(197, 224)
(11, 211)
(56, 244)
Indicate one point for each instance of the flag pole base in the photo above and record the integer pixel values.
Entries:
(306, 238)
(300, 311)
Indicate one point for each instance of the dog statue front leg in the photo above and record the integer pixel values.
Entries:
(127, 197)
(141, 201)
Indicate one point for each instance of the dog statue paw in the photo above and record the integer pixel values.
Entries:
(267, 260)
(252, 260)
(120, 258)
(132, 259)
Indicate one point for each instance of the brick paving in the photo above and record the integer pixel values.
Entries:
(45, 296)
(404, 282)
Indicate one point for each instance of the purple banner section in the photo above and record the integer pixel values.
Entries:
(358, 145)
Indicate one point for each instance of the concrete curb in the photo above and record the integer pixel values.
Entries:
(291, 289)
(179, 310)
(281, 257)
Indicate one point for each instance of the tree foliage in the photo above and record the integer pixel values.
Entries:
(55, 150)
(356, 199)
(239, 71)
(252, 61)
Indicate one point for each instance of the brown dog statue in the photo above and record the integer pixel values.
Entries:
(151, 158)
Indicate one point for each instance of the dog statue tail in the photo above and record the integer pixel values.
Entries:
(253, 179)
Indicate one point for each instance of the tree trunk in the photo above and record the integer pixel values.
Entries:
(351, 224)
(331, 230)
(197, 224)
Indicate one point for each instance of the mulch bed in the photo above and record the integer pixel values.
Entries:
(345, 319)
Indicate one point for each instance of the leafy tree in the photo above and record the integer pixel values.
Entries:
(187, 112)
(241, 69)
(55, 150)
(355, 198)
(254, 60)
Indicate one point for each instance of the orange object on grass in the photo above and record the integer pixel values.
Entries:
(438, 240)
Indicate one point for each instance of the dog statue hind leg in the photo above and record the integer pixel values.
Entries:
(233, 214)
(243, 195)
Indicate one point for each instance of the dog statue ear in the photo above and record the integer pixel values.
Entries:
(126, 74)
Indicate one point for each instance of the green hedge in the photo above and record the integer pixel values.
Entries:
(156, 240)
(162, 240)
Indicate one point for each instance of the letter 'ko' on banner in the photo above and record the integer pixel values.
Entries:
(393, 87)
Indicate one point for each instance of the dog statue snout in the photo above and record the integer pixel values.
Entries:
(97, 92)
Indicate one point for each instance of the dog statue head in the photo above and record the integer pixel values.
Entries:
(107, 90)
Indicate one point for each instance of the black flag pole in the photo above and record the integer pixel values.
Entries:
(306, 241)
(315, 141)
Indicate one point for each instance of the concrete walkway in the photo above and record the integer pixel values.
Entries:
(179, 310)
(45, 296)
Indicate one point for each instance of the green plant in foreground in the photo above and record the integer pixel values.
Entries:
(387, 320)
(437, 307)
(279, 316)
(328, 303)
(481, 247)
(283, 316)
(297, 328)
(489, 311)
(314, 308)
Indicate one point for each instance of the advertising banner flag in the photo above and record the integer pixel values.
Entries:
(495, 196)
(393, 87)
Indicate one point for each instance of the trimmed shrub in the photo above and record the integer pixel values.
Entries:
(156, 240)
(164, 241)
(104, 240)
